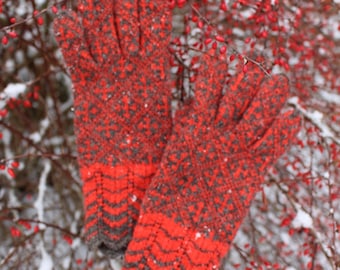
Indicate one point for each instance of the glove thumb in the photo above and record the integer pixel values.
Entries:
(70, 37)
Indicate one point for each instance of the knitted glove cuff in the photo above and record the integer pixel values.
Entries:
(161, 243)
(112, 198)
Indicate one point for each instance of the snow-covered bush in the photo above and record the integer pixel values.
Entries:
(293, 223)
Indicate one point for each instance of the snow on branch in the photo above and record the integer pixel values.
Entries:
(46, 262)
(315, 117)
(39, 203)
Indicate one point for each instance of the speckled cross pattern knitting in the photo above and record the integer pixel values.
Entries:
(211, 169)
(116, 52)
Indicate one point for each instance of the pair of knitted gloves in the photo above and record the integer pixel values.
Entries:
(168, 196)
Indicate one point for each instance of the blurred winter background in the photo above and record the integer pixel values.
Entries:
(293, 223)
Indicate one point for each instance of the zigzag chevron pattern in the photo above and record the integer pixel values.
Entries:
(161, 243)
(112, 202)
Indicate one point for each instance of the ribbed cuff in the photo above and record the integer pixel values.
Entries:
(112, 199)
(160, 243)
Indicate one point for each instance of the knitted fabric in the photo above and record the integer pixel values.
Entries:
(117, 56)
(211, 169)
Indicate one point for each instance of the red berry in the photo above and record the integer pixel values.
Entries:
(172, 4)
(3, 113)
(68, 239)
(54, 9)
(207, 41)
(181, 3)
(11, 172)
(40, 21)
(15, 164)
(223, 6)
(36, 229)
(264, 34)
(26, 224)
(219, 38)
(27, 104)
(15, 232)
(4, 40)
(12, 34)
(223, 49)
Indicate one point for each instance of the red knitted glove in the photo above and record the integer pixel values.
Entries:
(211, 169)
(118, 60)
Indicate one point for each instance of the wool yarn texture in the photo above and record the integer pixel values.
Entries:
(117, 56)
(211, 169)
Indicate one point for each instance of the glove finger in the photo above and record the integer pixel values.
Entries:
(208, 87)
(69, 35)
(238, 96)
(263, 109)
(155, 26)
(100, 32)
(276, 139)
(127, 20)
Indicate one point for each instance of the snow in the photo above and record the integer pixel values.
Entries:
(317, 118)
(39, 203)
(134, 198)
(334, 23)
(293, 61)
(247, 13)
(44, 124)
(9, 65)
(40, 2)
(19, 56)
(238, 32)
(174, 69)
(74, 224)
(8, 154)
(66, 262)
(6, 140)
(115, 264)
(46, 260)
(22, 9)
(195, 32)
(286, 238)
(13, 90)
(330, 97)
(319, 79)
(198, 235)
(35, 137)
(302, 220)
